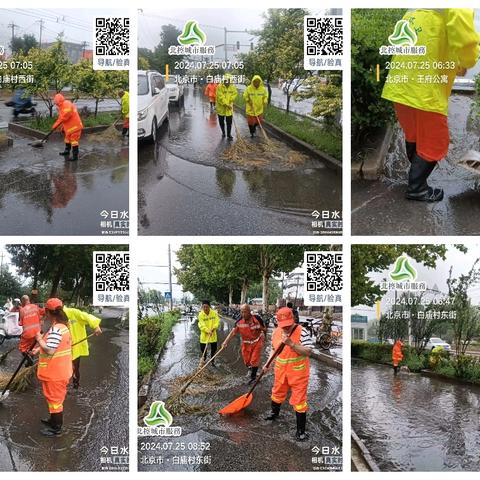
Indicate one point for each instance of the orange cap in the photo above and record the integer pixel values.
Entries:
(53, 304)
(285, 317)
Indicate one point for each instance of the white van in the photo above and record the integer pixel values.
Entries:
(152, 104)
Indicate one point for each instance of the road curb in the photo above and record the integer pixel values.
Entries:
(23, 130)
(328, 359)
(5, 142)
(296, 142)
(365, 454)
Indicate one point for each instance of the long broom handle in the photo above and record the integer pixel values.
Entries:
(200, 370)
(14, 375)
(275, 354)
(25, 358)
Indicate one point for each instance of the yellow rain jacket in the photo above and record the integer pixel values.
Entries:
(78, 321)
(206, 323)
(449, 35)
(126, 105)
(256, 99)
(225, 98)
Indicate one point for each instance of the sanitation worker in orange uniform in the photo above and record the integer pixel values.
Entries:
(397, 355)
(54, 365)
(211, 92)
(71, 123)
(252, 332)
(292, 368)
(31, 322)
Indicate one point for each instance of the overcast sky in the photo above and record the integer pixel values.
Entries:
(75, 23)
(435, 278)
(212, 22)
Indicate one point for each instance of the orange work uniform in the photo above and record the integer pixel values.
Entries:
(397, 355)
(70, 120)
(252, 333)
(211, 92)
(291, 372)
(30, 316)
(55, 371)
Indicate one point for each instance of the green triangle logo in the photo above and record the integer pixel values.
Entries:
(158, 416)
(192, 34)
(403, 34)
(403, 270)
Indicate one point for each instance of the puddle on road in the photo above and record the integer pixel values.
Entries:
(244, 441)
(411, 422)
(89, 412)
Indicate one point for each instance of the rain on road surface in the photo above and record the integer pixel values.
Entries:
(185, 187)
(380, 208)
(43, 194)
(242, 442)
(95, 416)
(413, 422)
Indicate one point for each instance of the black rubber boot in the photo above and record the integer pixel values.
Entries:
(47, 421)
(252, 130)
(66, 152)
(229, 131)
(124, 132)
(275, 411)
(395, 369)
(301, 435)
(55, 427)
(411, 148)
(253, 375)
(75, 154)
(418, 188)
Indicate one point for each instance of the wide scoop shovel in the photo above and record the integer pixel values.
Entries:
(245, 400)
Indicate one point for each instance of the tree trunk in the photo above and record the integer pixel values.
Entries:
(56, 281)
(230, 295)
(288, 101)
(96, 107)
(265, 291)
(244, 292)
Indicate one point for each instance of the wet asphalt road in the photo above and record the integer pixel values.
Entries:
(43, 194)
(185, 187)
(412, 422)
(242, 442)
(379, 207)
(95, 416)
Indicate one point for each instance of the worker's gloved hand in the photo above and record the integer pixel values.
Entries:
(29, 359)
(97, 331)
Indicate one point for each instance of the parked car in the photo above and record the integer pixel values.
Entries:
(175, 90)
(437, 342)
(152, 104)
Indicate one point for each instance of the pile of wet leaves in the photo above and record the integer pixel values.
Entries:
(262, 154)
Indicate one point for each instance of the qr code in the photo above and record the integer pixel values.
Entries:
(323, 36)
(112, 36)
(324, 271)
(112, 271)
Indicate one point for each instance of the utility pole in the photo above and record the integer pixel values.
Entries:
(42, 23)
(13, 27)
(170, 277)
(84, 46)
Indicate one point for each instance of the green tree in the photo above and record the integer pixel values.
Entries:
(466, 324)
(370, 30)
(376, 258)
(10, 285)
(97, 84)
(23, 44)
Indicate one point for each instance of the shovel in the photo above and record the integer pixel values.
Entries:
(40, 143)
(470, 161)
(245, 400)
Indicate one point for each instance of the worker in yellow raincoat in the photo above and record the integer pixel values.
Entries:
(78, 321)
(256, 99)
(208, 323)
(420, 84)
(225, 96)
(125, 98)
